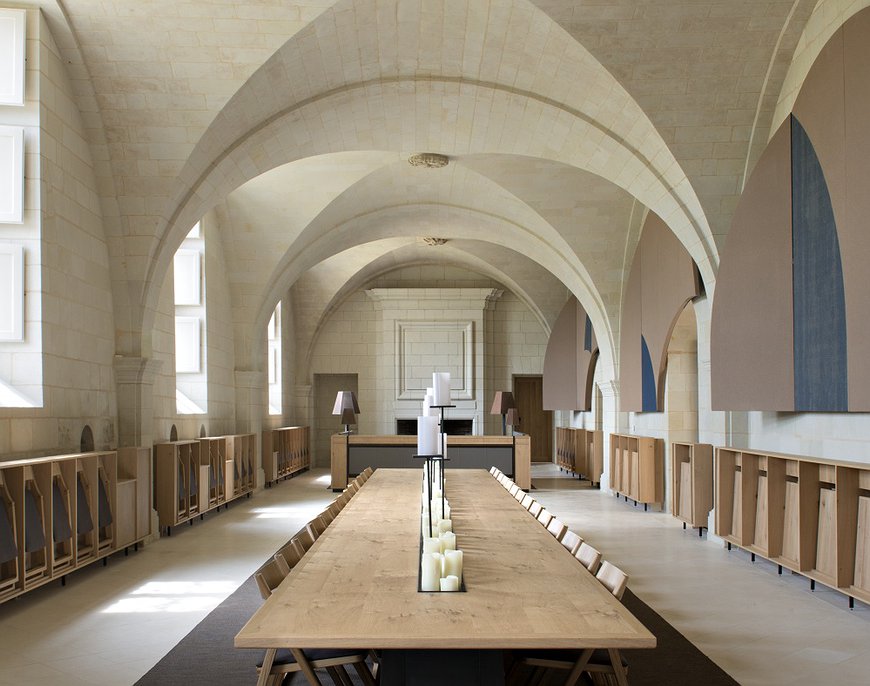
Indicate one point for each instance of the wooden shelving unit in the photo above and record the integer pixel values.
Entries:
(581, 452)
(197, 476)
(62, 512)
(805, 514)
(692, 483)
(286, 451)
(637, 468)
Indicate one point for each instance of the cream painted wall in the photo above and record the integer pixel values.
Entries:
(68, 281)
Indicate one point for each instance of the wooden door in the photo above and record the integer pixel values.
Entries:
(534, 420)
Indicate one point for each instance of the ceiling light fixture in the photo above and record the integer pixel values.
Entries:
(431, 160)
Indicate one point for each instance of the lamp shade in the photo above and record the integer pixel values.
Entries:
(503, 401)
(512, 416)
(347, 416)
(345, 400)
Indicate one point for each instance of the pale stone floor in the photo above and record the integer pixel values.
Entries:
(110, 625)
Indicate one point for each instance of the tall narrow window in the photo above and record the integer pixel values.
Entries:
(274, 361)
(20, 223)
(191, 380)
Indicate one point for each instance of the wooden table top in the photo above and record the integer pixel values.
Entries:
(357, 586)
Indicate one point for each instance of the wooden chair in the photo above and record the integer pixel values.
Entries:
(316, 527)
(277, 663)
(352, 488)
(527, 501)
(601, 664)
(326, 516)
(291, 552)
(334, 508)
(494, 470)
(544, 517)
(270, 575)
(519, 495)
(589, 557)
(535, 509)
(305, 539)
(613, 578)
(557, 528)
(513, 490)
(571, 541)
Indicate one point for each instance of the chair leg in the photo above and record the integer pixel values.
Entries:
(364, 673)
(618, 669)
(579, 667)
(305, 667)
(268, 659)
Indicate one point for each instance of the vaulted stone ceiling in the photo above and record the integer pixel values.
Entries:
(564, 121)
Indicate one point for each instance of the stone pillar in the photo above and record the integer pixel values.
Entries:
(134, 378)
(611, 414)
(250, 393)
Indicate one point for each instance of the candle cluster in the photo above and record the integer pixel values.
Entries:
(441, 562)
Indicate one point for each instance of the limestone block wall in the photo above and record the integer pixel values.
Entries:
(67, 281)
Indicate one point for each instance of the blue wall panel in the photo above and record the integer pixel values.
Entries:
(648, 378)
(820, 363)
(587, 335)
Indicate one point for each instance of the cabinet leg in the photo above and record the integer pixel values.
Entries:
(812, 584)
(63, 580)
(753, 557)
(851, 603)
(644, 507)
(684, 526)
(729, 545)
(779, 570)
(700, 532)
(136, 547)
(126, 551)
(168, 531)
(106, 561)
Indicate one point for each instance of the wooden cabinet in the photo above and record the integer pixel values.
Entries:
(240, 464)
(637, 468)
(286, 451)
(196, 476)
(62, 512)
(805, 514)
(581, 452)
(692, 483)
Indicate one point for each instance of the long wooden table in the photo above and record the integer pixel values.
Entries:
(357, 586)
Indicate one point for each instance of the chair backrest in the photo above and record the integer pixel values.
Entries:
(352, 488)
(305, 538)
(326, 516)
(316, 527)
(527, 501)
(334, 508)
(368, 471)
(513, 489)
(519, 495)
(589, 557)
(613, 578)
(360, 480)
(494, 470)
(270, 575)
(544, 517)
(503, 478)
(571, 541)
(291, 552)
(557, 528)
(344, 498)
(535, 508)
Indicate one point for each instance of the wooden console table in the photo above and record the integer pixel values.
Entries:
(350, 454)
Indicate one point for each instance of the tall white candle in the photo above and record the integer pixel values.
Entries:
(431, 545)
(450, 583)
(428, 402)
(441, 384)
(444, 445)
(427, 435)
(453, 563)
(430, 572)
(447, 541)
(445, 525)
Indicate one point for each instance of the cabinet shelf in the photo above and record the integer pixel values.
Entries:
(59, 513)
(637, 469)
(581, 452)
(809, 515)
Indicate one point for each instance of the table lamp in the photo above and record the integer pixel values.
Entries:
(347, 408)
(503, 401)
(512, 418)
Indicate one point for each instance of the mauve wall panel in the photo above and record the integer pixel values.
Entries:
(752, 341)
(561, 369)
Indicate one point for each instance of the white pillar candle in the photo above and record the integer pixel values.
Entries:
(453, 563)
(430, 572)
(450, 583)
(427, 435)
(436, 494)
(428, 402)
(444, 446)
(447, 541)
(441, 385)
(445, 525)
(431, 545)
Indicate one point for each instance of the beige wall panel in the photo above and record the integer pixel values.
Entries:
(561, 362)
(630, 389)
(853, 232)
(752, 343)
(668, 277)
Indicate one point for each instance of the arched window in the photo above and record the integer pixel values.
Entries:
(191, 380)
